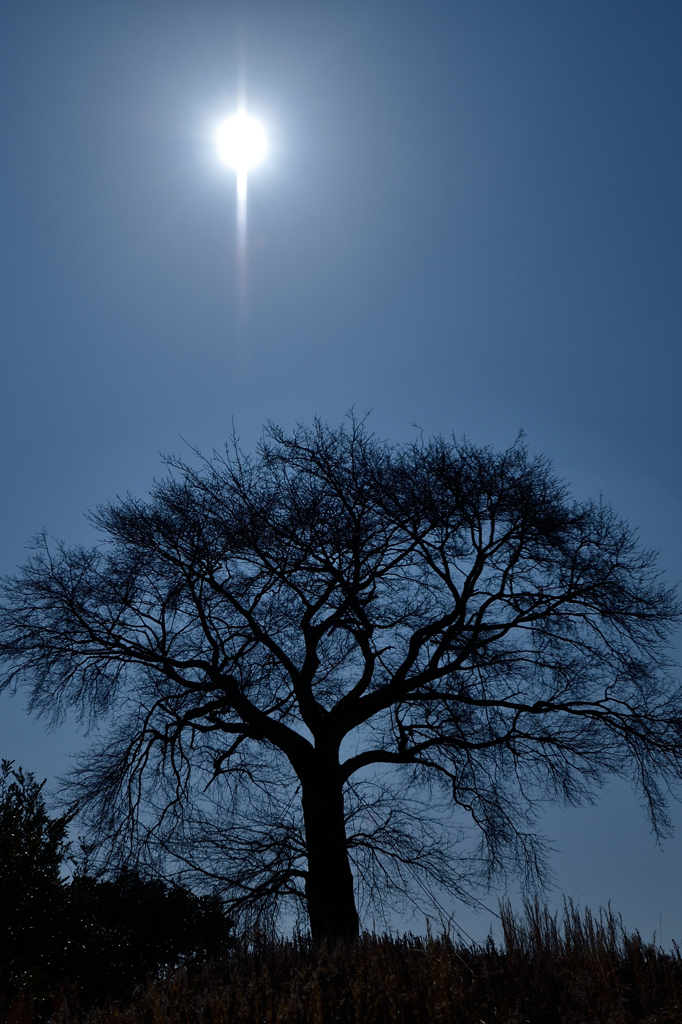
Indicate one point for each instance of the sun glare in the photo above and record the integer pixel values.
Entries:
(241, 142)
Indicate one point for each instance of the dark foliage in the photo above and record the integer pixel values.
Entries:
(32, 849)
(330, 663)
(115, 932)
(103, 935)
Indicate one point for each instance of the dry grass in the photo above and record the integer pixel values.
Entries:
(569, 971)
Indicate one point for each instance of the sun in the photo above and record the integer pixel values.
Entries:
(241, 142)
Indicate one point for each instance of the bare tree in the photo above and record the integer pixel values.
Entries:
(328, 665)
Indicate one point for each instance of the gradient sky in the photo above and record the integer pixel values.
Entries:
(469, 221)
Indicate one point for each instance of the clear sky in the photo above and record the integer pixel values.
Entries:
(469, 220)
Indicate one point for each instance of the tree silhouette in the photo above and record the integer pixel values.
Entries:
(330, 665)
(32, 849)
(104, 933)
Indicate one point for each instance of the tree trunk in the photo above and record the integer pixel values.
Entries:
(329, 885)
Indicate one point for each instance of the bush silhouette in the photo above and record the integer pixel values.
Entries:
(104, 934)
(118, 931)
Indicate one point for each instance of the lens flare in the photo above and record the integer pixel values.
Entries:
(241, 144)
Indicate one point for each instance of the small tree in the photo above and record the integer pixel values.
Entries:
(322, 662)
(105, 934)
(32, 849)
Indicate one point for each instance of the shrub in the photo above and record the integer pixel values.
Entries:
(103, 935)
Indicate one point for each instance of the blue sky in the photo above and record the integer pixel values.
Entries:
(469, 221)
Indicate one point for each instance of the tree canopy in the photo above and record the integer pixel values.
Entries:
(330, 666)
